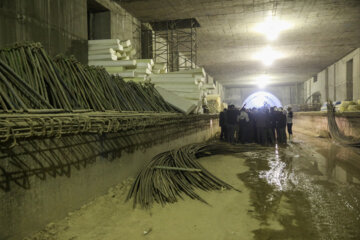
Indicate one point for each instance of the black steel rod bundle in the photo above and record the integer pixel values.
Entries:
(94, 88)
(335, 131)
(171, 174)
(67, 84)
(44, 123)
(16, 94)
(32, 64)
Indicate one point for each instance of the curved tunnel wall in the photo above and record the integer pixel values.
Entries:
(286, 94)
(261, 98)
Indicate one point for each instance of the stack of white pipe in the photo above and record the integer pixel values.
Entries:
(118, 59)
(186, 84)
(99, 50)
(159, 68)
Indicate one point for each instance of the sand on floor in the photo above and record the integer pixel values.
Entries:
(228, 215)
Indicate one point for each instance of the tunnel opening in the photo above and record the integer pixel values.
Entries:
(260, 99)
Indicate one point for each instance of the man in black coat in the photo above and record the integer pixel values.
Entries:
(281, 127)
(231, 123)
(222, 124)
(271, 126)
(261, 120)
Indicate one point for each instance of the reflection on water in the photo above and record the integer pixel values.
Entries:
(279, 175)
(312, 189)
(341, 164)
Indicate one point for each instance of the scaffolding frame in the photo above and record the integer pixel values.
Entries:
(174, 43)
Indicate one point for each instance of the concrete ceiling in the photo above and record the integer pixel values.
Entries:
(322, 32)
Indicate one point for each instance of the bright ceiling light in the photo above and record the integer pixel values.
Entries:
(267, 56)
(262, 81)
(271, 28)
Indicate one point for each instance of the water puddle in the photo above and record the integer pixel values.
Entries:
(304, 192)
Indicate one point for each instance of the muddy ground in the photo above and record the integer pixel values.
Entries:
(309, 189)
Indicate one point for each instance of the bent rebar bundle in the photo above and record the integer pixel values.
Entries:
(41, 97)
(94, 88)
(30, 79)
(173, 173)
(31, 63)
(335, 131)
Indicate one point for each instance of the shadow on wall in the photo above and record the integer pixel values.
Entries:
(52, 157)
(79, 48)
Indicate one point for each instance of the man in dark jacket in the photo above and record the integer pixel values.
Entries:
(281, 127)
(271, 126)
(231, 123)
(243, 120)
(222, 124)
(261, 119)
(289, 121)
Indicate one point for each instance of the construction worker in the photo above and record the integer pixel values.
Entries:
(231, 123)
(243, 120)
(281, 126)
(260, 119)
(289, 121)
(222, 124)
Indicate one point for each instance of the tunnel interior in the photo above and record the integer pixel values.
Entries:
(113, 121)
(261, 98)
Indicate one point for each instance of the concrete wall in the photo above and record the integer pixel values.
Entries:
(41, 180)
(61, 25)
(286, 94)
(124, 25)
(315, 123)
(331, 81)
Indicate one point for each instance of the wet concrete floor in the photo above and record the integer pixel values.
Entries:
(309, 189)
(320, 181)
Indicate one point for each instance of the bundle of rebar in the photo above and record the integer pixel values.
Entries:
(171, 174)
(33, 65)
(95, 89)
(54, 123)
(67, 84)
(335, 131)
(16, 94)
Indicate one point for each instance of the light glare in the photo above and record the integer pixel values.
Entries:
(258, 100)
(262, 81)
(267, 56)
(271, 28)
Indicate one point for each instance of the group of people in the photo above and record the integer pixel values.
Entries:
(265, 125)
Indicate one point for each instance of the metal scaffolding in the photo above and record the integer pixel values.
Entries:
(174, 43)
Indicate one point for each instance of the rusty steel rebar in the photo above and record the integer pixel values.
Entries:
(156, 184)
